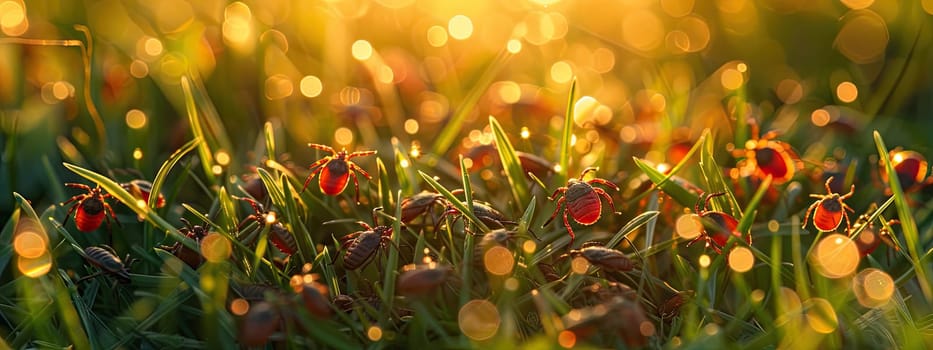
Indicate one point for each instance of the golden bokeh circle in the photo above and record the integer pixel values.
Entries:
(478, 319)
(215, 247)
(836, 256)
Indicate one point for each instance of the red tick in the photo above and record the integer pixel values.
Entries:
(830, 209)
(717, 225)
(141, 189)
(765, 156)
(581, 201)
(870, 238)
(911, 169)
(90, 209)
(336, 170)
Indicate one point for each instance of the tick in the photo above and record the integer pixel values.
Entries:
(911, 169)
(870, 238)
(362, 246)
(582, 201)
(190, 256)
(90, 209)
(606, 258)
(421, 203)
(280, 237)
(141, 189)
(716, 226)
(829, 209)
(423, 279)
(336, 170)
(766, 156)
(106, 259)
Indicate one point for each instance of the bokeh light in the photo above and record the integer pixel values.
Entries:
(311, 86)
(374, 333)
(460, 27)
(239, 306)
(343, 136)
(863, 37)
(361, 50)
(437, 36)
(561, 72)
(821, 316)
(567, 339)
(688, 226)
(846, 92)
(741, 259)
(873, 288)
(13, 20)
(499, 260)
(238, 26)
(579, 265)
(478, 319)
(642, 30)
(136, 119)
(31, 245)
(835, 256)
(34, 267)
(820, 117)
(215, 248)
(704, 261)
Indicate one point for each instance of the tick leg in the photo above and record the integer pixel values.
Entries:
(604, 182)
(847, 195)
(605, 195)
(322, 147)
(806, 217)
(356, 186)
(70, 211)
(360, 154)
(554, 214)
(587, 171)
(559, 190)
(317, 167)
(569, 229)
(357, 168)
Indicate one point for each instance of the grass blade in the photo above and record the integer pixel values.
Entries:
(715, 182)
(167, 167)
(908, 224)
(204, 150)
(564, 158)
(270, 140)
(459, 205)
(510, 163)
(747, 217)
(388, 282)
(447, 136)
(673, 189)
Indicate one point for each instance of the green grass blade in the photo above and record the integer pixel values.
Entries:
(712, 174)
(563, 159)
(467, 185)
(204, 149)
(447, 136)
(908, 223)
(466, 272)
(383, 186)
(525, 222)
(388, 282)
(510, 162)
(131, 202)
(747, 217)
(634, 224)
(270, 140)
(673, 189)
(459, 205)
(173, 159)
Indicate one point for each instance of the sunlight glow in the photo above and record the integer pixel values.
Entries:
(460, 27)
(136, 119)
(361, 50)
(741, 259)
(873, 288)
(498, 261)
(478, 319)
(836, 256)
(846, 91)
(437, 36)
(215, 247)
(311, 86)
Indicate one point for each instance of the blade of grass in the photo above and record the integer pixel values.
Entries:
(673, 189)
(712, 174)
(447, 135)
(270, 140)
(563, 160)
(631, 226)
(204, 149)
(510, 163)
(525, 222)
(908, 223)
(745, 223)
(459, 205)
(388, 282)
(382, 186)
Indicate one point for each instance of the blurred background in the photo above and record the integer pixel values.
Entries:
(97, 83)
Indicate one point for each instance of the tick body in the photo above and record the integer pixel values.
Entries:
(362, 246)
(870, 238)
(104, 258)
(280, 237)
(605, 258)
(716, 225)
(911, 169)
(142, 189)
(766, 156)
(581, 200)
(189, 256)
(336, 171)
(423, 279)
(90, 208)
(829, 210)
(419, 204)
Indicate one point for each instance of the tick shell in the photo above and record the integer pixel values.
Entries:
(531, 163)
(720, 226)
(775, 158)
(422, 280)
(334, 177)
(107, 261)
(314, 297)
(828, 214)
(90, 214)
(259, 324)
(362, 249)
(911, 169)
(142, 189)
(282, 239)
(583, 203)
(671, 307)
(605, 258)
(420, 203)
